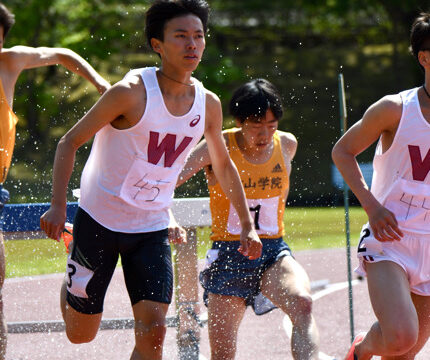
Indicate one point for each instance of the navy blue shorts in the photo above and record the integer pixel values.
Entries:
(4, 198)
(230, 273)
(145, 257)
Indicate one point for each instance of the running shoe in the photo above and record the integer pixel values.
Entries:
(67, 235)
(351, 355)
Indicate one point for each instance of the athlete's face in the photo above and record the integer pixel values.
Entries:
(183, 44)
(259, 135)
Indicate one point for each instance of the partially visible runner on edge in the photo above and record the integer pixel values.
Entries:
(144, 127)
(12, 62)
(263, 156)
(394, 248)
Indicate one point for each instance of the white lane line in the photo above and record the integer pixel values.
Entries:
(288, 326)
(33, 278)
(333, 288)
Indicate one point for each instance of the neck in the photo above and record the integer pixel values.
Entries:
(175, 78)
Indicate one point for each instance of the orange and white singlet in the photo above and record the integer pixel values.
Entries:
(8, 121)
(265, 187)
(401, 180)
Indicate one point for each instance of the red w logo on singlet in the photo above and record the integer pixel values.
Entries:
(166, 147)
(420, 167)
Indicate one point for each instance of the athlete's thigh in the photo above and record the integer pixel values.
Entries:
(284, 279)
(90, 265)
(225, 314)
(147, 264)
(390, 295)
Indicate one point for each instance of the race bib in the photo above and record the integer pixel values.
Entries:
(410, 202)
(211, 256)
(263, 211)
(148, 186)
(77, 278)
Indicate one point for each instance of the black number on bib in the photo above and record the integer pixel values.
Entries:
(256, 210)
(366, 233)
(70, 274)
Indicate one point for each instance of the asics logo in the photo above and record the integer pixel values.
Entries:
(195, 121)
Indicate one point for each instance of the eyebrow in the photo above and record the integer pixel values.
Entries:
(269, 122)
(183, 30)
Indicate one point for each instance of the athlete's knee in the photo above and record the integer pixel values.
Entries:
(79, 336)
(150, 334)
(299, 306)
(400, 339)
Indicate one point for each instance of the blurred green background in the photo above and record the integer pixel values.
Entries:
(299, 45)
(46, 256)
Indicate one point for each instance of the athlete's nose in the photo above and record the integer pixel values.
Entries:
(264, 132)
(192, 44)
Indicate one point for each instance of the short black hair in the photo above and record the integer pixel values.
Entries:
(161, 11)
(7, 19)
(420, 34)
(252, 100)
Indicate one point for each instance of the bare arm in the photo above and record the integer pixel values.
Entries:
(114, 103)
(25, 57)
(228, 177)
(289, 148)
(198, 159)
(380, 120)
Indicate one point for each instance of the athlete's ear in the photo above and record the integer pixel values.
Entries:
(424, 58)
(155, 44)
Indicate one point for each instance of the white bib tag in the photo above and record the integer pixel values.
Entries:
(263, 211)
(410, 202)
(148, 186)
(77, 278)
(211, 256)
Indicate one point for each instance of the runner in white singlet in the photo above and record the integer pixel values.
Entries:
(394, 246)
(144, 127)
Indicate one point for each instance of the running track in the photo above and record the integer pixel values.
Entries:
(263, 337)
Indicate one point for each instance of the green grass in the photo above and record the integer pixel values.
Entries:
(310, 228)
(34, 257)
(306, 228)
(316, 228)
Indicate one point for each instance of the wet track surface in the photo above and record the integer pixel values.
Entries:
(260, 337)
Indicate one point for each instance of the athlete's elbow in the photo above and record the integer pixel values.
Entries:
(337, 152)
(68, 143)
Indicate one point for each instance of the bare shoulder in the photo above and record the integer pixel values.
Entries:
(18, 52)
(386, 112)
(129, 89)
(288, 143)
(391, 104)
(213, 103)
(13, 56)
(213, 116)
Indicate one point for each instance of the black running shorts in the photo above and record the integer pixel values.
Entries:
(145, 257)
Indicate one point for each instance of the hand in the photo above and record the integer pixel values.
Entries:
(52, 222)
(102, 85)
(177, 234)
(384, 224)
(250, 244)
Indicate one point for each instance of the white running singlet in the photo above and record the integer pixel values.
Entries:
(128, 181)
